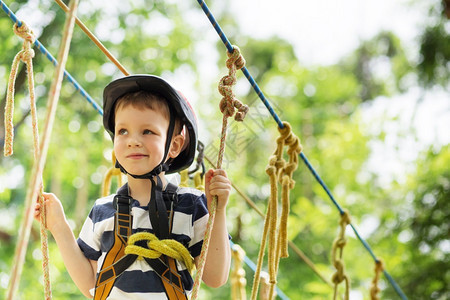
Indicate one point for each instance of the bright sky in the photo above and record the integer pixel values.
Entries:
(325, 30)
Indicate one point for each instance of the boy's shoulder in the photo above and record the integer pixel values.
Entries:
(189, 191)
(105, 200)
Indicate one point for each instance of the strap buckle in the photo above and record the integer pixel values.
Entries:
(124, 219)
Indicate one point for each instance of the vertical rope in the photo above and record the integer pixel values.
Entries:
(339, 244)
(227, 106)
(113, 171)
(36, 182)
(26, 55)
(374, 290)
(276, 232)
(238, 281)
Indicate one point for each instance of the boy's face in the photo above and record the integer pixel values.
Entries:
(140, 138)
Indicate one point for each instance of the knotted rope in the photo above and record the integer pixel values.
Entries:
(374, 290)
(26, 55)
(339, 244)
(113, 171)
(227, 106)
(238, 280)
(279, 171)
(156, 248)
(35, 187)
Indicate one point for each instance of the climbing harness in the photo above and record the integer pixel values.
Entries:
(160, 254)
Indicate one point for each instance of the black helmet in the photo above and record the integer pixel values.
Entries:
(177, 103)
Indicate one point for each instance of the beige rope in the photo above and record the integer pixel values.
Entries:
(26, 55)
(38, 166)
(238, 281)
(227, 107)
(375, 290)
(275, 232)
(339, 244)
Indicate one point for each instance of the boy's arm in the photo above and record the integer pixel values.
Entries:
(217, 265)
(81, 269)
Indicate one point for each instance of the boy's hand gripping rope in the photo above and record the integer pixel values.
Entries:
(339, 243)
(279, 171)
(26, 55)
(227, 106)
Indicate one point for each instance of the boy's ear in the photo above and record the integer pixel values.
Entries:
(176, 146)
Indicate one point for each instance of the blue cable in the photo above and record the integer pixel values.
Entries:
(252, 266)
(47, 54)
(280, 125)
(244, 69)
(258, 91)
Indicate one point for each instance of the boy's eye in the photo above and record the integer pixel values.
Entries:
(122, 131)
(147, 131)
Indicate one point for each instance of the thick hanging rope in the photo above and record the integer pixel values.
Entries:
(26, 55)
(156, 248)
(339, 244)
(113, 171)
(374, 290)
(227, 106)
(35, 186)
(238, 281)
(279, 171)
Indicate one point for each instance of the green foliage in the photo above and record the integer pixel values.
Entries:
(405, 222)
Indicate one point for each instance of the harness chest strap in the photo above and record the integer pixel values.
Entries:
(116, 262)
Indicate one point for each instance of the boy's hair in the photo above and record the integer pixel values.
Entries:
(145, 99)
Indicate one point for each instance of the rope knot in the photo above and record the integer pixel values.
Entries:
(156, 248)
(26, 55)
(339, 275)
(340, 242)
(285, 131)
(271, 170)
(235, 59)
(345, 218)
(24, 32)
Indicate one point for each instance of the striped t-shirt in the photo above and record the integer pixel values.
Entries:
(139, 281)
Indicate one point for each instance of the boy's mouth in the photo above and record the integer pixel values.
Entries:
(136, 156)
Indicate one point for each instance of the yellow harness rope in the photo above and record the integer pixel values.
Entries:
(113, 171)
(157, 247)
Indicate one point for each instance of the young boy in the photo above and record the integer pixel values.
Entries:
(154, 132)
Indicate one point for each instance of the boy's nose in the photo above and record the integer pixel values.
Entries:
(134, 142)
